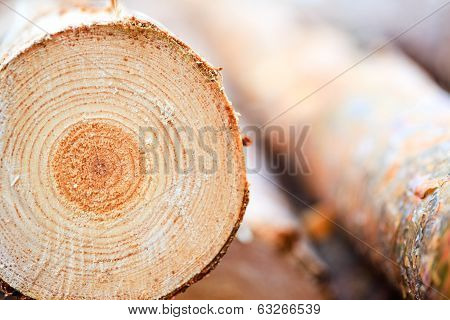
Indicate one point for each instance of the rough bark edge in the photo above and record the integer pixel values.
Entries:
(133, 23)
(213, 264)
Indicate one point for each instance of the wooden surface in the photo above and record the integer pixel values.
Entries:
(271, 61)
(102, 195)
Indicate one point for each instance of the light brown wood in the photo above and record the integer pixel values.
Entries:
(103, 195)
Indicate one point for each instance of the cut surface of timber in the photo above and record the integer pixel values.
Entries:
(104, 191)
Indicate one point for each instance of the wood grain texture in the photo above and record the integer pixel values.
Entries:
(98, 197)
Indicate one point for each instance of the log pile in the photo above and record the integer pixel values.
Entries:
(378, 152)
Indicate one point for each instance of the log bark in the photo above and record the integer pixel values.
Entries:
(379, 143)
(103, 192)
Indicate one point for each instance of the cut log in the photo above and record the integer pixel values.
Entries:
(109, 186)
(379, 143)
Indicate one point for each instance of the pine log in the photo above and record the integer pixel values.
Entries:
(97, 198)
(380, 135)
